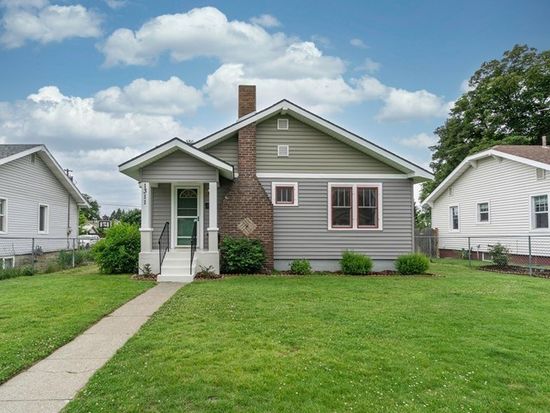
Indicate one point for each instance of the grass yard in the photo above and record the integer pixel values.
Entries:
(465, 340)
(38, 314)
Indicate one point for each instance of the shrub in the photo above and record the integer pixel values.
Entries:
(81, 257)
(118, 252)
(354, 263)
(300, 267)
(412, 264)
(241, 255)
(499, 254)
(16, 272)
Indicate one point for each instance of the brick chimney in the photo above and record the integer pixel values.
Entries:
(246, 210)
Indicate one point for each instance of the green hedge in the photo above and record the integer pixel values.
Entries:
(241, 255)
(353, 263)
(118, 252)
(412, 264)
(300, 267)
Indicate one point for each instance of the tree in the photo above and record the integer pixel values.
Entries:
(131, 216)
(91, 213)
(508, 103)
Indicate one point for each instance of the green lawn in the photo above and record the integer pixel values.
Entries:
(464, 340)
(39, 314)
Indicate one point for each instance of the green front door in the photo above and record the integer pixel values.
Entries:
(187, 211)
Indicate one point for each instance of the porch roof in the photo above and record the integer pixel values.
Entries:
(132, 166)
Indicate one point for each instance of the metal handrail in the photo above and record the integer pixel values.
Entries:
(164, 243)
(193, 244)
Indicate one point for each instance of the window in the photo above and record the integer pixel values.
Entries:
(541, 174)
(6, 263)
(284, 193)
(355, 206)
(282, 124)
(282, 150)
(450, 192)
(540, 211)
(43, 219)
(483, 212)
(3, 215)
(454, 217)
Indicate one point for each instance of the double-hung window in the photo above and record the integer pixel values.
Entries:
(284, 193)
(454, 217)
(3, 215)
(539, 207)
(355, 206)
(483, 212)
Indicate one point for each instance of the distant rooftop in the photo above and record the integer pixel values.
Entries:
(11, 149)
(536, 153)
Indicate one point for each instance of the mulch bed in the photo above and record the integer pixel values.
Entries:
(208, 276)
(517, 270)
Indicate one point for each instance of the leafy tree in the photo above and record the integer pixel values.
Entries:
(508, 103)
(131, 216)
(91, 213)
(422, 217)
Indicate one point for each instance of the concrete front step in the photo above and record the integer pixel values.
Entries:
(176, 267)
(175, 278)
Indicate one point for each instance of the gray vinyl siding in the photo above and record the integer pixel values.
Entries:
(302, 231)
(161, 209)
(26, 185)
(227, 151)
(309, 151)
(178, 166)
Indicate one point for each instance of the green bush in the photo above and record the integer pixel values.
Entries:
(118, 252)
(241, 255)
(300, 267)
(499, 254)
(412, 264)
(16, 272)
(353, 263)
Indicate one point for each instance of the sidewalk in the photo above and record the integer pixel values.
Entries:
(51, 383)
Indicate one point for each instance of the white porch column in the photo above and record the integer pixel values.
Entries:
(213, 217)
(146, 218)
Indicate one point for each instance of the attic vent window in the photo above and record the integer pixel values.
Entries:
(33, 157)
(451, 191)
(541, 174)
(282, 151)
(282, 124)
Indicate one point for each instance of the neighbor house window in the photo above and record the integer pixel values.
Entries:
(540, 211)
(355, 206)
(454, 217)
(541, 174)
(284, 193)
(483, 212)
(3, 215)
(43, 218)
(6, 263)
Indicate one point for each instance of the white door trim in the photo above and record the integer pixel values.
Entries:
(173, 224)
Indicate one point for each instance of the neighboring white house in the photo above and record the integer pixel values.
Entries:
(37, 201)
(498, 195)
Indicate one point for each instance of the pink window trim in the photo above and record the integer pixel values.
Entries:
(293, 185)
(354, 219)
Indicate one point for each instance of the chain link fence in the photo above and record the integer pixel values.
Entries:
(528, 252)
(39, 253)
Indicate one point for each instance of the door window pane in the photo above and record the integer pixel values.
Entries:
(187, 202)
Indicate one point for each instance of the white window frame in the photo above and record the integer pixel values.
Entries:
(274, 186)
(478, 213)
(46, 217)
(280, 123)
(3, 261)
(5, 216)
(280, 149)
(540, 174)
(451, 228)
(354, 206)
(532, 218)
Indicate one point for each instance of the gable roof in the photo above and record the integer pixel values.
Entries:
(132, 166)
(535, 156)
(11, 152)
(284, 106)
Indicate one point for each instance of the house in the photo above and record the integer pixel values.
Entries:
(499, 195)
(38, 201)
(303, 186)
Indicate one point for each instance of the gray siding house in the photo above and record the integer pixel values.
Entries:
(304, 186)
(37, 200)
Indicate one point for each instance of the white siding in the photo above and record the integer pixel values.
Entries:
(508, 187)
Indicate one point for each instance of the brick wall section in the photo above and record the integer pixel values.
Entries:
(246, 198)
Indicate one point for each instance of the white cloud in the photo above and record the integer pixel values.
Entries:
(370, 66)
(266, 20)
(401, 104)
(154, 97)
(420, 140)
(465, 86)
(116, 4)
(358, 43)
(37, 20)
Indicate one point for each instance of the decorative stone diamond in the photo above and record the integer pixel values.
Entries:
(247, 226)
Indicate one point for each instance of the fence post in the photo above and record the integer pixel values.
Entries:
(73, 251)
(530, 261)
(430, 245)
(32, 254)
(469, 252)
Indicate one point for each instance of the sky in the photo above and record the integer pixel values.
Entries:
(99, 82)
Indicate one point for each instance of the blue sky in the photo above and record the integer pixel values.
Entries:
(100, 81)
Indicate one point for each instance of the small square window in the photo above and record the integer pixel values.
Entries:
(284, 193)
(283, 151)
(541, 174)
(282, 124)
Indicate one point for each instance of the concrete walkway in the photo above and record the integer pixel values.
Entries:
(51, 383)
